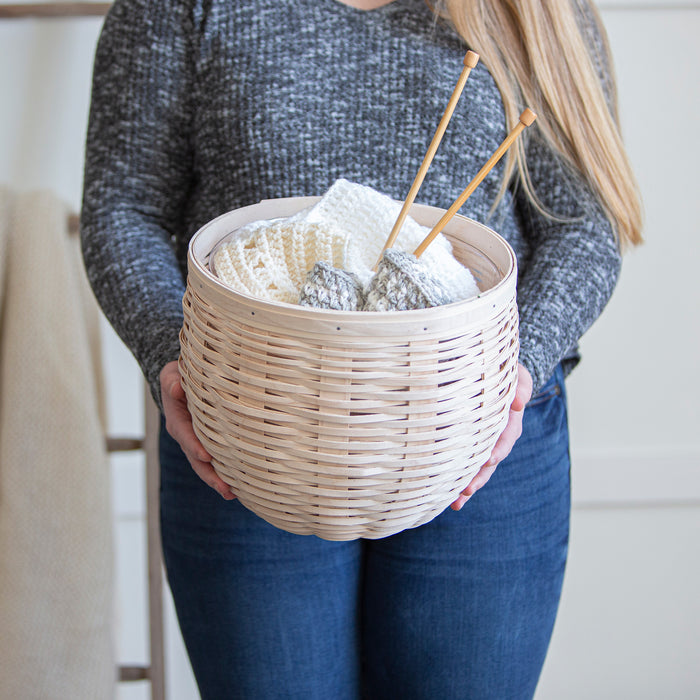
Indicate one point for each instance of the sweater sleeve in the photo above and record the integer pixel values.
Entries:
(137, 177)
(572, 269)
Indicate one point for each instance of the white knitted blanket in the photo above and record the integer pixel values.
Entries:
(348, 228)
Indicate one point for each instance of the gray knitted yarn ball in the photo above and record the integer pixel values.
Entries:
(327, 287)
(404, 282)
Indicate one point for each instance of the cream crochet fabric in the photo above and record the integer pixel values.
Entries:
(347, 228)
(270, 259)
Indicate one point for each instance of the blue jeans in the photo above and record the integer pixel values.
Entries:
(462, 607)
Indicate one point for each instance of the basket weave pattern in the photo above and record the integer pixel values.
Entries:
(349, 424)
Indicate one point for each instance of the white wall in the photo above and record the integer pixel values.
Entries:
(629, 625)
(630, 618)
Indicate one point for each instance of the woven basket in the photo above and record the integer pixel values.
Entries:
(348, 424)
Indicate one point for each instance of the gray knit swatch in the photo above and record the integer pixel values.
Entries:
(404, 282)
(327, 287)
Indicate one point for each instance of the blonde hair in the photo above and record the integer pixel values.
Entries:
(537, 54)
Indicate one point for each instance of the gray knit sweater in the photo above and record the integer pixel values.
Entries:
(202, 106)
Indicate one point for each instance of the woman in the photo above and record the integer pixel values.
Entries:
(203, 106)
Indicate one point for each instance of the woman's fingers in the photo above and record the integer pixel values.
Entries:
(506, 440)
(208, 475)
(178, 422)
(523, 389)
(482, 476)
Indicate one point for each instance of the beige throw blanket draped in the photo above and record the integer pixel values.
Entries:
(56, 551)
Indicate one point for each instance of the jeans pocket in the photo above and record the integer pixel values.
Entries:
(551, 389)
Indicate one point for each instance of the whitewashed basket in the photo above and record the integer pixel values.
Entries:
(347, 424)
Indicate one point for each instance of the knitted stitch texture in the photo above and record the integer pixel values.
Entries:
(271, 260)
(327, 287)
(202, 106)
(405, 282)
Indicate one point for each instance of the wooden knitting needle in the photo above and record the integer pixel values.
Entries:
(525, 119)
(470, 60)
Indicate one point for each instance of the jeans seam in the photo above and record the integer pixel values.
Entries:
(545, 396)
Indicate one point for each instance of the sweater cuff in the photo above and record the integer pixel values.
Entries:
(534, 358)
(165, 352)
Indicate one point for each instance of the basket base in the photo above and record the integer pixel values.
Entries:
(342, 525)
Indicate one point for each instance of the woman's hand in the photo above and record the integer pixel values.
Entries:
(178, 422)
(504, 444)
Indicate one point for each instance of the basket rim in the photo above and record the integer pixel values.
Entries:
(424, 214)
